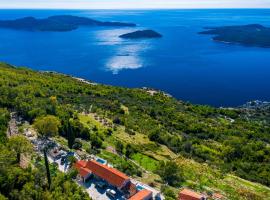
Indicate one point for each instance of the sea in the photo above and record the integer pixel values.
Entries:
(189, 66)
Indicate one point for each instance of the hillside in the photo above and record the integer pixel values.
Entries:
(212, 147)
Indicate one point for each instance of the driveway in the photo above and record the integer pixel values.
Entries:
(96, 192)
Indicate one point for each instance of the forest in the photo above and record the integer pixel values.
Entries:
(234, 140)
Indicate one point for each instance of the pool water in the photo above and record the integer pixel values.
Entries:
(139, 187)
(101, 161)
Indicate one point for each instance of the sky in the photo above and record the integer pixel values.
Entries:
(131, 4)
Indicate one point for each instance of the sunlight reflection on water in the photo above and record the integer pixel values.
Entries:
(127, 57)
(118, 63)
(126, 54)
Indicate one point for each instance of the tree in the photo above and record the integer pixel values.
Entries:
(77, 144)
(109, 132)
(119, 147)
(72, 160)
(168, 192)
(170, 172)
(2, 197)
(47, 167)
(20, 145)
(96, 142)
(130, 150)
(47, 126)
(70, 135)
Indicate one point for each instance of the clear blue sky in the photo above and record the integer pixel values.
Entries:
(120, 4)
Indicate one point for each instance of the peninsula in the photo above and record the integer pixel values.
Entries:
(58, 23)
(248, 35)
(141, 34)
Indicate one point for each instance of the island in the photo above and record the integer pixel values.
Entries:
(141, 34)
(57, 23)
(248, 35)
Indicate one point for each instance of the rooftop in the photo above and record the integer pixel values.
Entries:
(187, 194)
(79, 164)
(143, 194)
(111, 175)
(84, 172)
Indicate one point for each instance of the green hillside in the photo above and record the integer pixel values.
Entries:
(214, 149)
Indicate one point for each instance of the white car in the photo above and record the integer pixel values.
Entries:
(111, 193)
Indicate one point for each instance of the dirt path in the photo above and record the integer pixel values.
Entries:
(12, 125)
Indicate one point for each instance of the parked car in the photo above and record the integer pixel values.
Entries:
(111, 193)
(101, 184)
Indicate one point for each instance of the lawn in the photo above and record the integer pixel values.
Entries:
(146, 162)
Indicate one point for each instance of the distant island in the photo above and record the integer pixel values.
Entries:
(58, 23)
(141, 34)
(249, 35)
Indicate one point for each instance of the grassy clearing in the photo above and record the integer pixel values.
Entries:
(146, 162)
(147, 147)
(90, 122)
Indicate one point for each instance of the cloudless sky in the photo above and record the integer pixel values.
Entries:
(120, 4)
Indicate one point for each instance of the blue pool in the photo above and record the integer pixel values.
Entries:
(139, 187)
(101, 161)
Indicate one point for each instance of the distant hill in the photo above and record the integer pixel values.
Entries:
(56, 23)
(141, 34)
(249, 35)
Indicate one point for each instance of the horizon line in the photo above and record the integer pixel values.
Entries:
(180, 8)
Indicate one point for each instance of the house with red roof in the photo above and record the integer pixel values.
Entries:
(142, 195)
(112, 176)
(186, 194)
(84, 173)
(79, 164)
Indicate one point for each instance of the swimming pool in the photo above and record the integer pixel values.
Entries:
(101, 161)
(139, 187)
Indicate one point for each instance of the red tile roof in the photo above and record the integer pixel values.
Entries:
(84, 172)
(111, 175)
(187, 194)
(79, 164)
(142, 195)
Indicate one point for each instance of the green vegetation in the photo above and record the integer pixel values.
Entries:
(146, 162)
(170, 173)
(208, 144)
(121, 163)
(19, 144)
(47, 126)
(202, 177)
(17, 183)
(4, 118)
(248, 35)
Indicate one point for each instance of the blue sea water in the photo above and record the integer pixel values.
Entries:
(187, 65)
